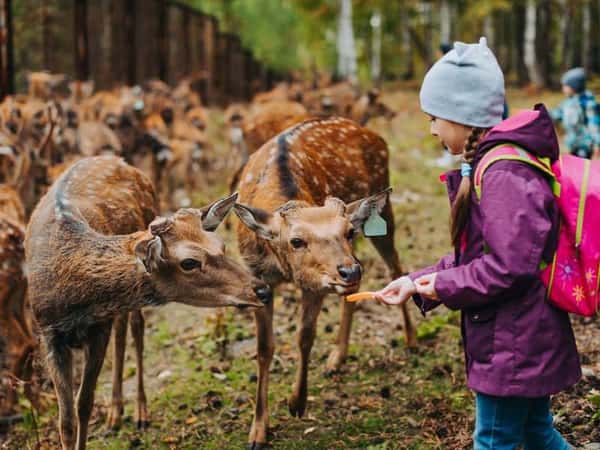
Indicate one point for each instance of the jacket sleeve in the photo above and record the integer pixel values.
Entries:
(422, 303)
(593, 120)
(517, 219)
(557, 113)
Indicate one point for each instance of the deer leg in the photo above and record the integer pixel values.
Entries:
(385, 247)
(22, 369)
(311, 307)
(30, 390)
(95, 351)
(265, 344)
(16, 340)
(137, 331)
(340, 352)
(60, 367)
(113, 421)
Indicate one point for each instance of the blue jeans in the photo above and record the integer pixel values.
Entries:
(505, 423)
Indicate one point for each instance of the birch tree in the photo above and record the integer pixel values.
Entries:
(345, 42)
(375, 23)
(530, 54)
(445, 22)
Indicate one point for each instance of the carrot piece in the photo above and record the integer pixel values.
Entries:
(360, 296)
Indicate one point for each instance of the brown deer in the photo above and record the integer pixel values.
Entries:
(14, 316)
(304, 197)
(95, 253)
(369, 106)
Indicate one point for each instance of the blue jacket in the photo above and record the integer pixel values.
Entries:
(580, 118)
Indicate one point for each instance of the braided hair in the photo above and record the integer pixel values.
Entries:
(462, 203)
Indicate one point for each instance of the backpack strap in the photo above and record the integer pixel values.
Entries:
(511, 152)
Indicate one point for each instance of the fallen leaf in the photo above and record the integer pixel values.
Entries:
(309, 430)
(191, 420)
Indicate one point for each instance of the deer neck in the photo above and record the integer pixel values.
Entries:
(97, 277)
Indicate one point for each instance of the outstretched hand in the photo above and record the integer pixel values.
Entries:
(397, 292)
(426, 286)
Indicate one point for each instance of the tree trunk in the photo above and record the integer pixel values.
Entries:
(46, 37)
(566, 30)
(530, 53)
(7, 70)
(407, 49)
(519, 40)
(82, 63)
(586, 25)
(376, 49)
(445, 22)
(545, 47)
(345, 42)
(488, 30)
(509, 42)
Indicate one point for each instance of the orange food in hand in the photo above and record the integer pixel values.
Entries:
(360, 296)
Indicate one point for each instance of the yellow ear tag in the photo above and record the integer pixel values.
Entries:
(375, 224)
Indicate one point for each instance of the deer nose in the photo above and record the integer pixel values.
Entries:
(264, 293)
(350, 274)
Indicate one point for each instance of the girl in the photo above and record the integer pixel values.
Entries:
(519, 349)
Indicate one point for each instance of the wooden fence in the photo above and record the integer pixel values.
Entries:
(126, 42)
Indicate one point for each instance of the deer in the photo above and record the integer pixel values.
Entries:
(369, 106)
(96, 250)
(303, 198)
(248, 134)
(15, 318)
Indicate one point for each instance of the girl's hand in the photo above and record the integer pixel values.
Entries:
(397, 292)
(426, 286)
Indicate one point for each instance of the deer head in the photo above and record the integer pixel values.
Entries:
(313, 244)
(187, 263)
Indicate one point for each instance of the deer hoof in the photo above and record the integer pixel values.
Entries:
(113, 423)
(143, 424)
(411, 350)
(256, 445)
(296, 406)
(334, 362)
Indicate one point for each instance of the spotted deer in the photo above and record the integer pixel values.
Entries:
(96, 251)
(265, 120)
(304, 196)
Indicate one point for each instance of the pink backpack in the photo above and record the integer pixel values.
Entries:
(572, 276)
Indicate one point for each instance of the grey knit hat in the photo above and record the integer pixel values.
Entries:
(574, 78)
(465, 86)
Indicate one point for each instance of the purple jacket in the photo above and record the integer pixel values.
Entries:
(516, 343)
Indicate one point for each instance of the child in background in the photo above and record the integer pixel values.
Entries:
(579, 114)
(519, 349)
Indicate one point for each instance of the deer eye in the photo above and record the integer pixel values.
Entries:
(297, 243)
(351, 233)
(190, 264)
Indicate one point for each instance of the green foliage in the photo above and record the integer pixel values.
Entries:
(595, 401)
(432, 327)
(279, 32)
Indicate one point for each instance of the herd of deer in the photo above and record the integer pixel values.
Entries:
(83, 248)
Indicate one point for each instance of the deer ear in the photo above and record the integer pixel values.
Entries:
(149, 251)
(359, 211)
(257, 220)
(213, 214)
